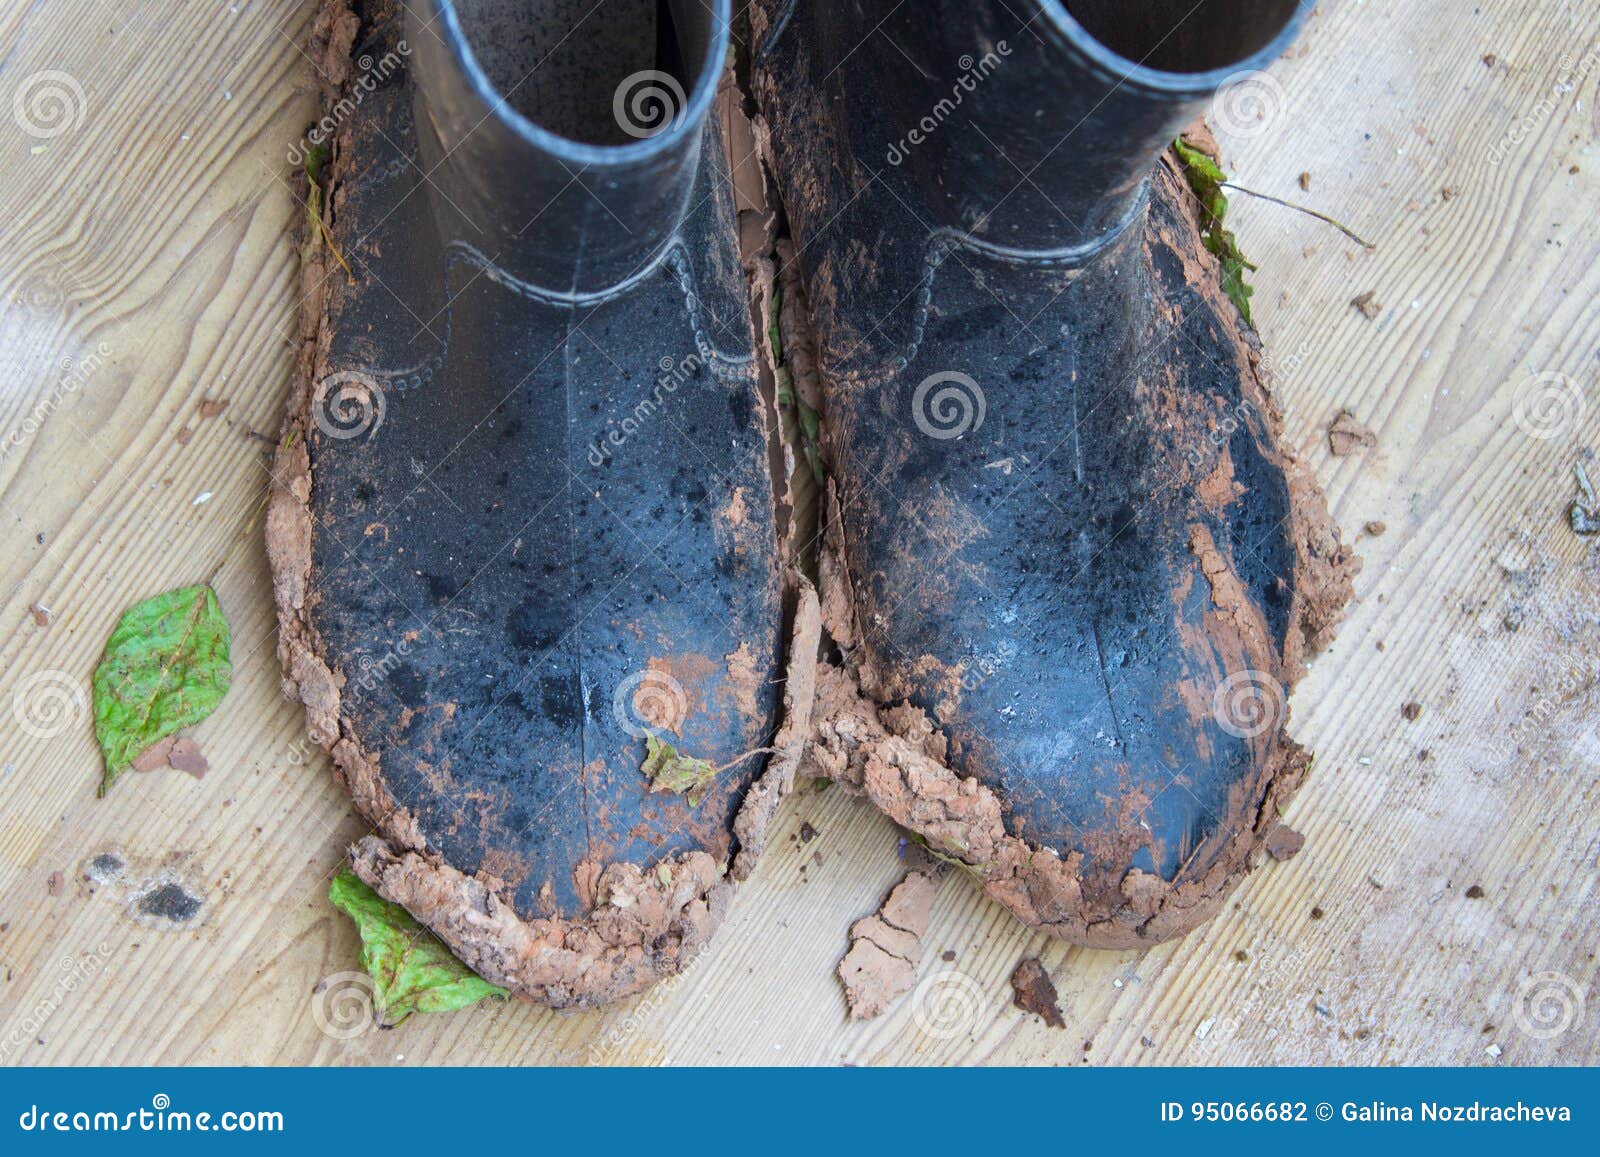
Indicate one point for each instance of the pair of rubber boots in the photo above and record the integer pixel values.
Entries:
(531, 528)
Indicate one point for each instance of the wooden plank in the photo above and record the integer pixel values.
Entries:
(158, 224)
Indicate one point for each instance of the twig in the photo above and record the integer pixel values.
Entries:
(1339, 225)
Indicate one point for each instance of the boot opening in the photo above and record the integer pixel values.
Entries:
(601, 72)
(1183, 36)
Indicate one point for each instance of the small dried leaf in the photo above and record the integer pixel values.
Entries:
(670, 770)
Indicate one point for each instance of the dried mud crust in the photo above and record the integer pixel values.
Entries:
(890, 752)
(647, 922)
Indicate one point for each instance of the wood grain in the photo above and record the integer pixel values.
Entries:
(156, 229)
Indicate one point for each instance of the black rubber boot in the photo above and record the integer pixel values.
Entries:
(1075, 568)
(522, 521)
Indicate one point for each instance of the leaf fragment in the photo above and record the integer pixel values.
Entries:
(1206, 178)
(670, 770)
(411, 970)
(165, 667)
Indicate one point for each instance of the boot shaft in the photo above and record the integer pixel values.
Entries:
(561, 140)
(1024, 126)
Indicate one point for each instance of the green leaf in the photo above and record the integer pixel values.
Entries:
(411, 970)
(671, 770)
(1205, 177)
(165, 668)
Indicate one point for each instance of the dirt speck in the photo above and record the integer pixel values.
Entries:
(169, 901)
(1305, 181)
(1346, 435)
(1375, 528)
(1032, 991)
(105, 868)
(1411, 711)
(42, 615)
(56, 884)
(1284, 843)
(212, 407)
(1368, 304)
(807, 832)
(1476, 892)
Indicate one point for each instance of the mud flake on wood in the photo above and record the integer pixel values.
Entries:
(1346, 435)
(1033, 991)
(886, 947)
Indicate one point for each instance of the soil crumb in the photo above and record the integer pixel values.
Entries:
(168, 902)
(807, 832)
(1368, 304)
(1284, 843)
(1375, 528)
(212, 407)
(1411, 711)
(1346, 435)
(105, 868)
(1032, 991)
(886, 947)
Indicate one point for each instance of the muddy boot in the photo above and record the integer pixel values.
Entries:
(522, 524)
(1075, 567)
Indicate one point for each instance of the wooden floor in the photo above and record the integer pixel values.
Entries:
(1445, 908)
